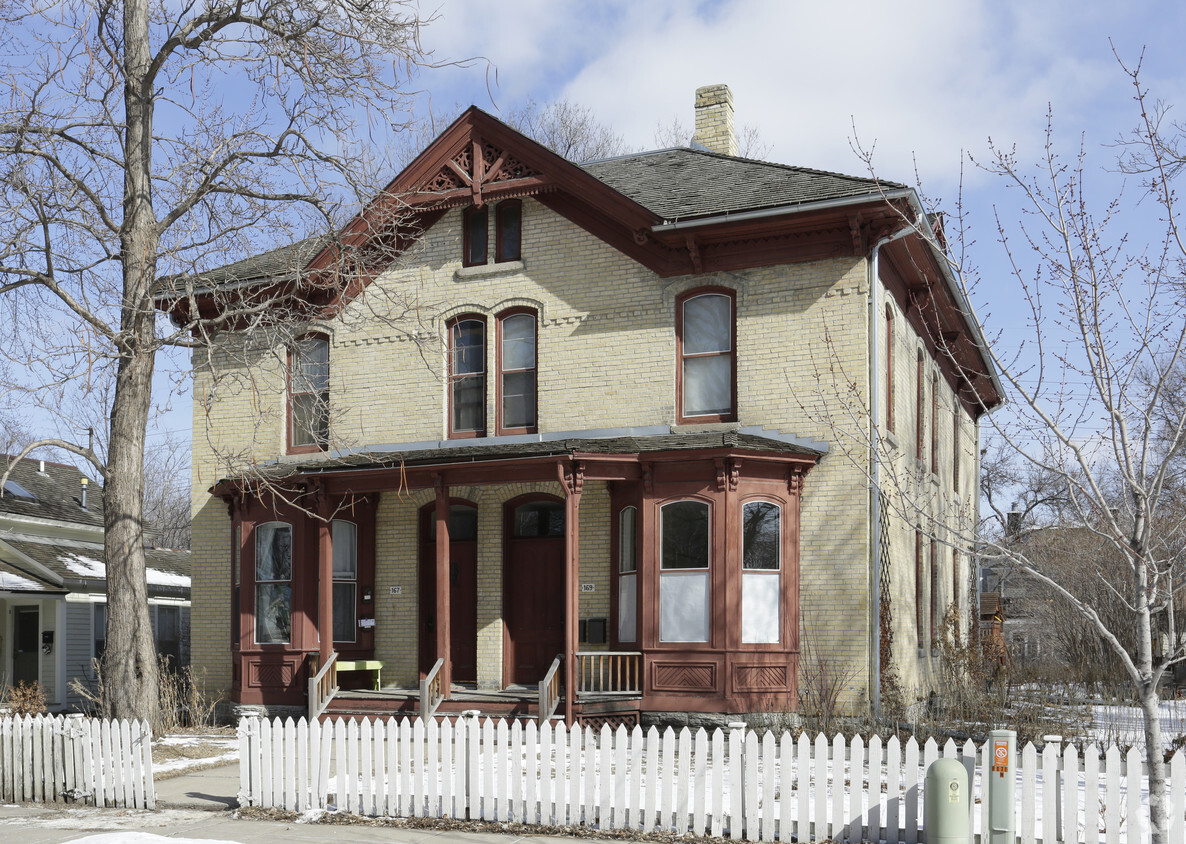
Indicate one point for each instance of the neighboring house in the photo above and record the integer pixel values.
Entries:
(53, 582)
(633, 395)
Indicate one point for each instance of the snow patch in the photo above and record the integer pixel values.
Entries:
(15, 581)
(90, 567)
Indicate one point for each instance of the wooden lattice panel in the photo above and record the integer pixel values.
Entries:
(760, 678)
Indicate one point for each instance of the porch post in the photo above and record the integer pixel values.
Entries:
(573, 479)
(443, 642)
(325, 578)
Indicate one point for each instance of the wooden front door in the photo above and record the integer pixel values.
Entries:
(533, 587)
(463, 590)
(26, 649)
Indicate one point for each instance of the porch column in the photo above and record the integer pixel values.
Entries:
(573, 479)
(325, 578)
(443, 641)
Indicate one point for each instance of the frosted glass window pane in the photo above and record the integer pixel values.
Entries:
(708, 385)
(683, 601)
(518, 342)
(760, 534)
(707, 324)
(345, 550)
(627, 608)
(760, 623)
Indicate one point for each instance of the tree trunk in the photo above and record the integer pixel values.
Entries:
(130, 662)
(1155, 761)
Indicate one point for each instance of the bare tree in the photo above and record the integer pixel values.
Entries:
(166, 493)
(1099, 285)
(143, 140)
(568, 129)
(750, 143)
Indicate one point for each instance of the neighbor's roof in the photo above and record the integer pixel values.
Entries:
(56, 492)
(680, 183)
(84, 561)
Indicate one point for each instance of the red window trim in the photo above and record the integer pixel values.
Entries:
(498, 417)
(466, 229)
(731, 416)
(311, 448)
(456, 435)
(889, 368)
(500, 209)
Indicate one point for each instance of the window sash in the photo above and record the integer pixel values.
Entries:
(509, 235)
(476, 224)
(707, 361)
(273, 587)
(308, 393)
(467, 355)
(684, 535)
(627, 548)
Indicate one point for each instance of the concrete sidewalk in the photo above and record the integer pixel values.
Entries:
(213, 789)
(32, 824)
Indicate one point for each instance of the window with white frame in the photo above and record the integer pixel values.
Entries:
(684, 594)
(273, 583)
(627, 575)
(761, 573)
(345, 539)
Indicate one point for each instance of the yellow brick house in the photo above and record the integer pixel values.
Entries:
(588, 437)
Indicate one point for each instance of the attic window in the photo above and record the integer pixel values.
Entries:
(508, 233)
(17, 491)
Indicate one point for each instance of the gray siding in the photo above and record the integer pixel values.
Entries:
(78, 650)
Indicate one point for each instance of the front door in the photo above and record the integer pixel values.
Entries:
(463, 590)
(533, 587)
(26, 650)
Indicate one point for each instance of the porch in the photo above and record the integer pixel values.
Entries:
(608, 691)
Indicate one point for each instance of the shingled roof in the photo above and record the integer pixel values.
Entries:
(681, 183)
(166, 571)
(56, 492)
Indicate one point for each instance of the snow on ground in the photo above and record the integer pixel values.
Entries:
(130, 837)
(1125, 725)
(177, 753)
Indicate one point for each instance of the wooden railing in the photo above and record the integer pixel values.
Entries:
(549, 691)
(609, 673)
(431, 693)
(323, 685)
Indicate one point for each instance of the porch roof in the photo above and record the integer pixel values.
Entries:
(623, 442)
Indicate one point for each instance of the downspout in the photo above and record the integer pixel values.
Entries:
(875, 341)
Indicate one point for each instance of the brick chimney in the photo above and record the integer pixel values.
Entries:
(714, 119)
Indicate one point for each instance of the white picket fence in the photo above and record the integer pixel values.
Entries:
(56, 759)
(725, 784)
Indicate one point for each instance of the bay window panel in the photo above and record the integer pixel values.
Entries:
(273, 552)
(685, 535)
(627, 560)
(345, 541)
(761, 620)
(684, 606)
(708, 385)
(627, 607)
(273, 613)
(761, 533)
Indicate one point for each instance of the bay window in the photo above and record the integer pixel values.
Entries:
(273, 583)
(761, 570)
(627, 575)
(684, 592)
(345, 599)
(706, 372)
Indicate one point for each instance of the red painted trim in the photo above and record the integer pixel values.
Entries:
(731, 415)
(499, 427)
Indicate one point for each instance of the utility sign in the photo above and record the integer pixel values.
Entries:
(1000, 757)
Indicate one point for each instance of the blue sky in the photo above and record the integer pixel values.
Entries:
(924, 83)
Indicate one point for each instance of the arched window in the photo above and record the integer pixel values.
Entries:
(308, 394)
(467, 377)
(761, 572)
(684, 593)
(517, 383)
(273, 583)
(706, 372)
